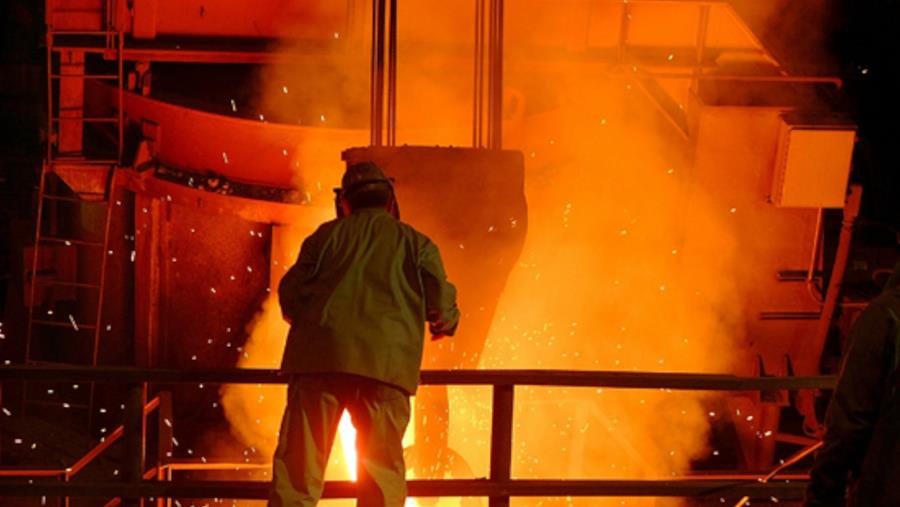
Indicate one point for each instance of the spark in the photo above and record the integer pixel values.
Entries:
(284, 152)
(733, 210)
(337, 35)
(133, 255)
(6, 412)
(284, 89)
(671, 57)
(261, 117)
(233, 106)
(322, 118)
(212, 289)
(74, 324)
(68, 243)
(225, 157)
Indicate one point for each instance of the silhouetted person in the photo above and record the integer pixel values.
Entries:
(357, 300)
(862, 439)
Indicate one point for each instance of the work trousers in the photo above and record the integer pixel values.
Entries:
(380, 414)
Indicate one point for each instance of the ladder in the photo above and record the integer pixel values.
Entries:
(78, 179)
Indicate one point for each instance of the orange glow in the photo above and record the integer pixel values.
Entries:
(629, 264)
(347, 434)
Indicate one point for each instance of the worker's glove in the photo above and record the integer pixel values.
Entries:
(435, 326)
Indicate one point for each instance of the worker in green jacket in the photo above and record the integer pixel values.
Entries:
(357, 299)
(861, 448)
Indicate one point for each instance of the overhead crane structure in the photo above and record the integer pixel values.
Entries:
(110, 138)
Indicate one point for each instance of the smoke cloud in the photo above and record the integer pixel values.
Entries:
(627, 264)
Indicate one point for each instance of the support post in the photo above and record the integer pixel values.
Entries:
(501, 440)
(495, 76)
(134, 445)
(808, 362)
(164, 446)
(376, 92)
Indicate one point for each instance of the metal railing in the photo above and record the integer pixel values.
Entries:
(499, 486)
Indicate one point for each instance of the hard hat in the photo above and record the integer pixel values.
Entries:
(364, 175)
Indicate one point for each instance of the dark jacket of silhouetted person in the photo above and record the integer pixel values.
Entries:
(862, 440)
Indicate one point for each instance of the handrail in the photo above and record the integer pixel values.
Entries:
(627, 380)
(499, 486)
(793, 460)
(69, 472)
(106, 443)
(35, 472)
(258, 490)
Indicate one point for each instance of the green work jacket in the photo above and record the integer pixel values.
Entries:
(358, 297)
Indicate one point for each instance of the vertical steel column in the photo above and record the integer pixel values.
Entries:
(478, 78)
(624, 26)
(376, 94)
(702, 31)
(134, 436)
(501, 439)
(392, 76)
(164, 446)
(495, 76)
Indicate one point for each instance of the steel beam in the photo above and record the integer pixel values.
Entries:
(711, 489)
(561, 378)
